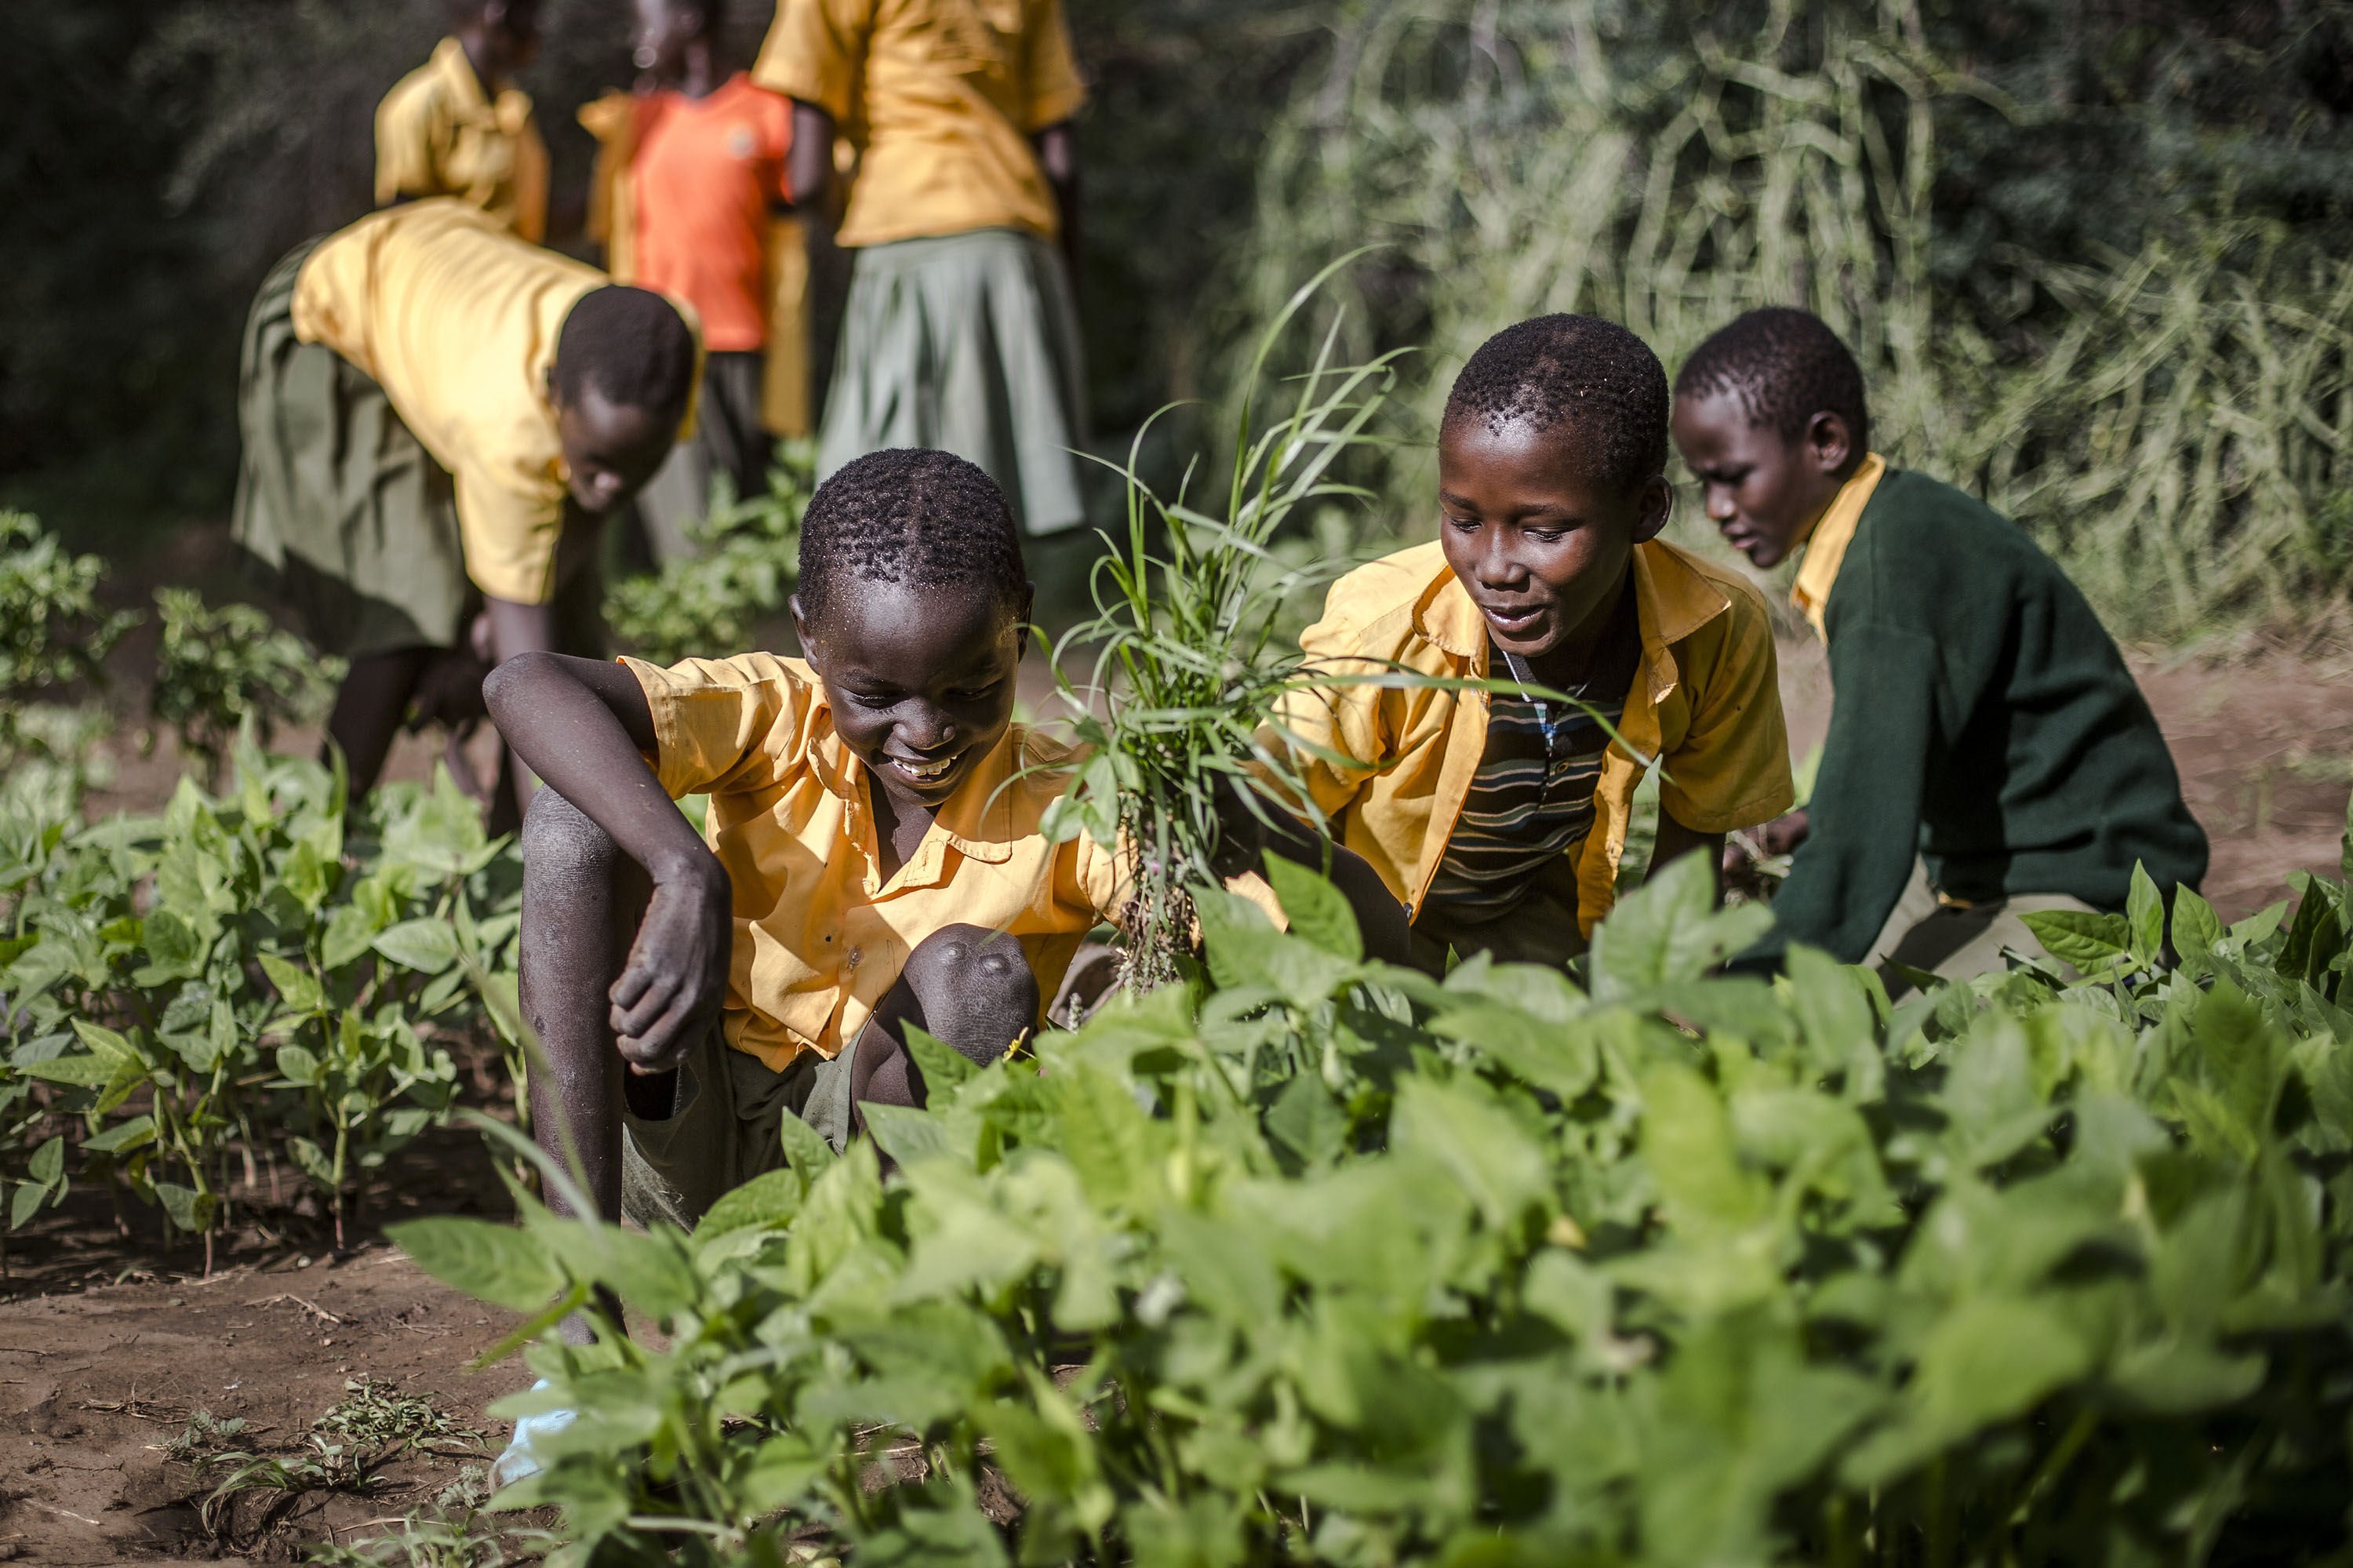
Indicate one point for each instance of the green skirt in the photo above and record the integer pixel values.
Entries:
(968, 344)
(340, 511)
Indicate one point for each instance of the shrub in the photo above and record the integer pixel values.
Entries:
(218, 669)
(243, 972)
(708, 606)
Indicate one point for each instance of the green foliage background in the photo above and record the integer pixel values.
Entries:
(2090, 248)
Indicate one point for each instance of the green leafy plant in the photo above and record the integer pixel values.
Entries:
(53, 630)
(1328, 1262)
(260, 966)
(707, 605)
(55, 636)
(1185, 669)
(217, 670)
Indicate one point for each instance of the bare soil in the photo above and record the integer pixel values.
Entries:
(109, 1342)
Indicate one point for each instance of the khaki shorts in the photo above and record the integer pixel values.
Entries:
(1955, 943)
(1539, 929)
(726, 1129)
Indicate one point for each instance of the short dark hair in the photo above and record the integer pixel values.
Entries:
(630, 344)
(910, 515)
(1581, 372)
(1785, 365)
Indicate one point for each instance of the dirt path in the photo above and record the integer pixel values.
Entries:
(94, 1385)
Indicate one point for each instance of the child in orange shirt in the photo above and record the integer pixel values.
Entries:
(690, 201)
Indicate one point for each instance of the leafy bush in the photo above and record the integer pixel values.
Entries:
(218, 669)
(245, 968)
(1331, 1262)
(707, 605)
(54, 638)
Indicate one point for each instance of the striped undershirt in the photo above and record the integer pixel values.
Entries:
(1532, 798)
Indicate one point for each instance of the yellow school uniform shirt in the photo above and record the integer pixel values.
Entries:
(457, 318)
(436, 134)
(820, 937)
(1826, 545)
(1705, 702)
(940, 98)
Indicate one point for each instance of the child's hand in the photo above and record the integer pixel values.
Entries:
(676, 978)
(1241, 837)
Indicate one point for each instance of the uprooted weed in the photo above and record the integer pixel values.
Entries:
(345, 1451)
(454, 1531)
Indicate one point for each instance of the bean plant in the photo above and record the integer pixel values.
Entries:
(748, 550)
(265, 969)
(218, 668)
(1317, 1260)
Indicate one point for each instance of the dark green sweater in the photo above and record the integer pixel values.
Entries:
(1983, 719)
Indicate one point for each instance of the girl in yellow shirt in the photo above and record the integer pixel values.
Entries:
(437, 415)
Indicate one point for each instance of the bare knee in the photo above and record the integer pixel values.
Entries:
(974, 987)
(559, 842)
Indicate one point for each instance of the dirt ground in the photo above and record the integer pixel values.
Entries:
(108, 1342)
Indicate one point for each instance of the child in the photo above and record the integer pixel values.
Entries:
(961, 330)
(1985, 722)
(1498, 819)
(457, 127)
(691, 199)
(870, 855)
(427, 399)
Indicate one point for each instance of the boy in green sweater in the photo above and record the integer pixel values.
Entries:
(1985, 723)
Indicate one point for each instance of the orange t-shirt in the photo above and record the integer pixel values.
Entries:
(707, 169)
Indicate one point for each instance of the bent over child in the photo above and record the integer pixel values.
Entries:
(870, 856)
(1498, 818)
(436, 414)
(1984, 724)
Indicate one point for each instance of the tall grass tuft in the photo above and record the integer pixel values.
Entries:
(1184, 662)
(2173, 425)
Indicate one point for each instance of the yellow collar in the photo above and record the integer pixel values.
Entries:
(1671, 601)
(1826, 545)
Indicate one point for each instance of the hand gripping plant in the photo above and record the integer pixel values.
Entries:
(1186, 682)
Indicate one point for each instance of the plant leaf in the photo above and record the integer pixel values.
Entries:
(1317, 911)
(503, 1265)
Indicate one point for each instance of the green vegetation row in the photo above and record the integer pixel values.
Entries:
(263, 974)
(1314, 1260)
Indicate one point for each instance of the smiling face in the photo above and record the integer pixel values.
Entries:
(1539, 541)
(920, 679)
(611, 449)
(1763, 493)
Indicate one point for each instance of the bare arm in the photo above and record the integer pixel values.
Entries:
(582, 725)
(1676, 841)
(809, 168)
(1058, 155)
